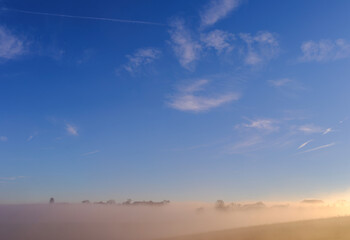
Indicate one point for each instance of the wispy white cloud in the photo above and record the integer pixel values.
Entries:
(328, 130)
(81, 17)
(320, 147)
(280, 82)
(304, 144)
(325, 50)
(140, 57)
(90, 153)
(72, 130)
(185, 47)
(219, 40)
(186, 98)
(246, 145)
(8, 179)
(194, 103)
(194, 87)
(260, 48)
(310, 128)
(30, 138)
(11, 46)
(216, 10)
(261, 124)
(3, 139)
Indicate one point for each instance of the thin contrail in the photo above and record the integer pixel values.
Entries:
(320, 147)
(304, 144)
(81, 17)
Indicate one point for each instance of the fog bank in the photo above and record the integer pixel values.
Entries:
(91, 221)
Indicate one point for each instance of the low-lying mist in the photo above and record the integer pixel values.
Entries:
(113, 221)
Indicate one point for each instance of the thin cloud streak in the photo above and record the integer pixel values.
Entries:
(30, 138)
(91, 153)
(82, 17)
(279, 82)
(186, 98)
(11, 178)
(216, 10)
(304, 144)
(261, 124)
(318, 148)
(310, 129)
(72, 130)
(200, 104)
(246, 145)
(328, 130)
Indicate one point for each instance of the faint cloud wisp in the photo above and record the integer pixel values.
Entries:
(10, 45)
(216, 10)
(72, 130)
(325, 50)
(141, 57)
(185, 47)
(186, 98)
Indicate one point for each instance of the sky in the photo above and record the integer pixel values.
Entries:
(182, 100)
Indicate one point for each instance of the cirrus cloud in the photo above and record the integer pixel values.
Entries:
(11, 46)
(141, 57)
(215, 10)
(186, 48)
(188, 99)
(72, 130)
(325, 50)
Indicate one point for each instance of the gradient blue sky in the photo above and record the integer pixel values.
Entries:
(202, 100)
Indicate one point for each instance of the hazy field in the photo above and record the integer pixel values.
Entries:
(323, 229)
(114, 222)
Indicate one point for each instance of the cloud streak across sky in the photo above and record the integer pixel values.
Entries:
(217, 10)
(304, 144)
(71, 130)
(319, 147)
(81, 17)
(188, 99)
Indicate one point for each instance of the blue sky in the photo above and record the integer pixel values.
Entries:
(179, 100)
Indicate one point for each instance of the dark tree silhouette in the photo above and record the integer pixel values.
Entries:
(127, 202)
(111, 202)
(220, 204)
(52, 200)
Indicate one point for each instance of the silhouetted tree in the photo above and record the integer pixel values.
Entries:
(127, 202)
(220, 204)
(52, 200)
(111, 202)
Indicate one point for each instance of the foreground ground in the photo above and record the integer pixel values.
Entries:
(324, 229)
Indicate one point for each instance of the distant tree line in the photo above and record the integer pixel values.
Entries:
(129, 202)
(220, 205)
